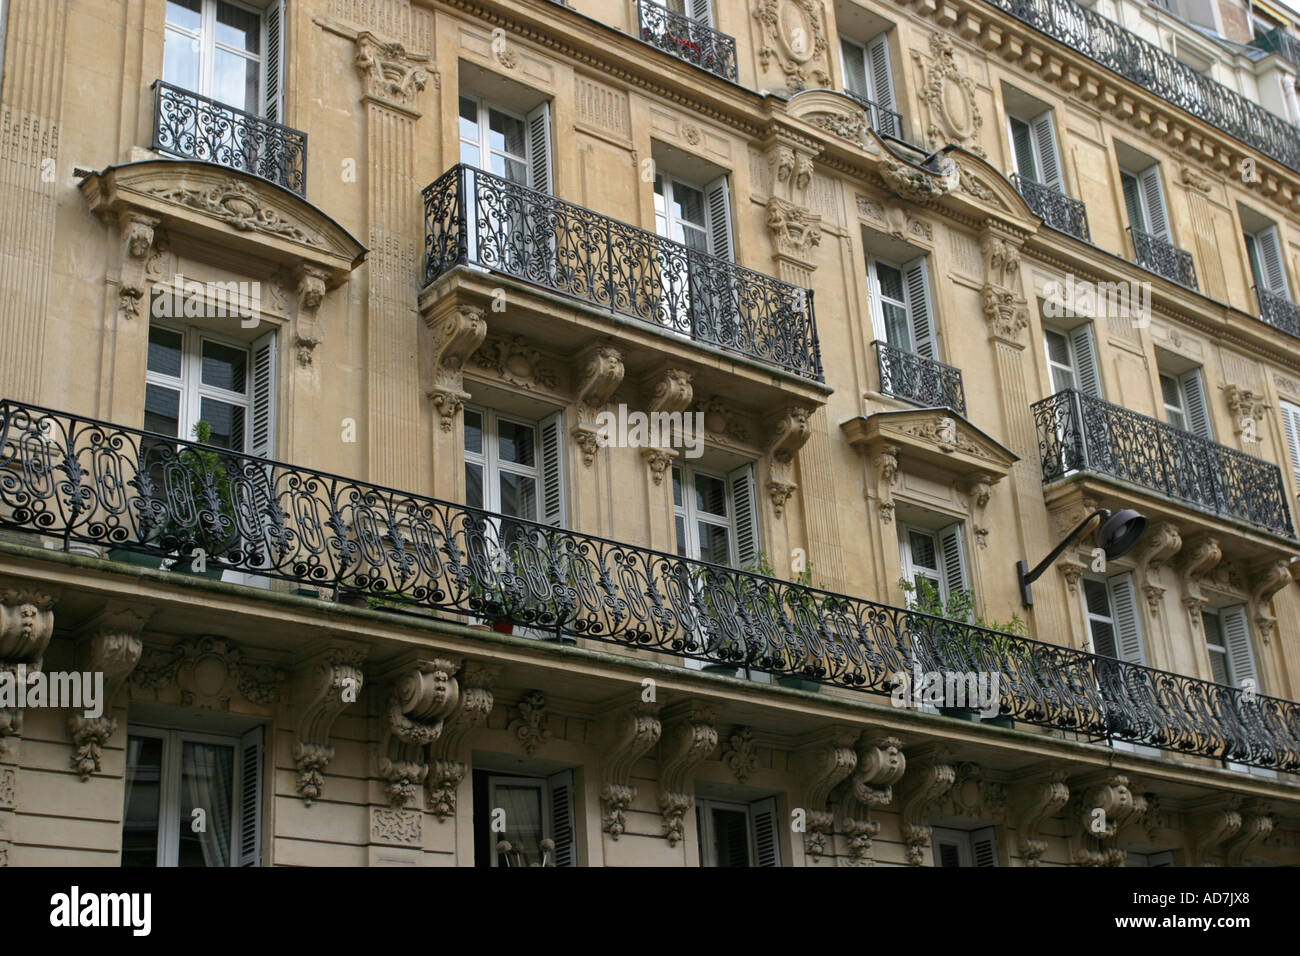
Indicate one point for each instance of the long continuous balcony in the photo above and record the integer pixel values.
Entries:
(1078, 433)
(72, 480)
(687, 39)
(1150, 67)
(1157, 254)
(1279, 311)
(918, 379)
(883, 120)
(474, 218)
(1063, 213)
(195, 127)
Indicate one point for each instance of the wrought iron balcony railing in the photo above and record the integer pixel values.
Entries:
(918, 379)
(1279, 311)
(473, 217)
(883, 120)
(1061, 212)
(1157, 254)
(1150, 67)
(688, 39)
(1279, 41)
(196, 127)
(1080, 433)
(76, 480)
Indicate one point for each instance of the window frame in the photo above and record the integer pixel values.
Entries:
(965, 842)
(939, 575)
(206, 38)
(691, 516)
(489, 460)
(704, 807)
(190, 383)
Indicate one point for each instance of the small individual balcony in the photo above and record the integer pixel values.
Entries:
(1061, 212)
(687, 39)
(489, 223)
(1157, 254)
(1279, 311)
(920, 380)
(883, 120)
(190, 126)
(1081, 434)
(1279, 41)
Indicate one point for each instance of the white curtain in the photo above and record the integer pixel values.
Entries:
(207, 778)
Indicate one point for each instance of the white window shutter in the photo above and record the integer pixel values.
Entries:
(273, 79)
(855, 68)
(1236, 641)
(1022, 145)
(553, 491)
(1153, 202)
(1085, 360)
(882, 83)
(261, 440)
(916, 285)
(984, 847)
(249, 810)
(744, 500)
(540, 176)
(1194, 405)
(766, 835)
(1269, 250)
(563, 829)
(717, 202)
(952, 555)
(1128, 624)
(1048, 160)
(1291, 425)
(701, 10)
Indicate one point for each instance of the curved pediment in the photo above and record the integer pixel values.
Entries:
(836, 113)
(229, 208)
(981, 182)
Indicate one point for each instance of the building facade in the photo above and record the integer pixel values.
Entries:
(509, 432)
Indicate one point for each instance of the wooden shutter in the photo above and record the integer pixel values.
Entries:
(882, 84)
(553, 510)
(717, 204)
(1194, 405)
(249, 810)
(948, 846)
(744, 500)
(766, 836)
(700, 10)
(1086, 377)
(1153, 202)
(916, 286)
(1236, 641)
(1124, 612)
(273, 65)
(261, 441)
(1133, 202)
(563, 828)
(952, 560)
(1291, 425)
(855, 68)
(984, 847)
(1045, 143)
(1022, 144)
(1271, 268)
(539, 149)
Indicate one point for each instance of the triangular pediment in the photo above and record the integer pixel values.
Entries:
(938, 437)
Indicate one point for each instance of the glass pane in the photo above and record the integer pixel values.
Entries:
(473, 432)
(897, 332)
(510, 169)
(239, 28)
(1169, 389)
(715, 544)
(891, 282)
(505, 133)
(730, 838)
(181, 60)
(1062, 378)
(677, 487)
(162, 410)
(711, 495)
(473, 485)
(469, 155)
(165, 351)
(519, 496)
(207, 784)
(515, 443)
(680, 524)
(235, 81)
(923, 553)
(143, 795)
(225, 367)
(688, 204)
(227, 422)
(523, 819)
(185, 13)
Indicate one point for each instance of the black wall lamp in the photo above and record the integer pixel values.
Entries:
(1119, 533)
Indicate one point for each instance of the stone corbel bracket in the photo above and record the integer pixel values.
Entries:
(324, 686)
(1202, 557)
(979, 490)
(787, 431)
(1270, 578)
(630, 732)
(312, 283)
(599, 374)
(455, 335)
(26, 626)
(424, 693)
(690, 736)
(137, 241)
(1257, 823)
(110, 645)
(821, 762)
(880, 765)
(1162, 544)
(927, 781)
(1039, 800)
(1214, 828)
(446, 770)
(1103, 805)
(669, 391)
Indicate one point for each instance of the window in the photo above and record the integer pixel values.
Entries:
(514, 146)
(1227, 638)
(867, 75)
(193, 375)
(1267, 264)
(935, 557)
(1113, 622)
(535, 808)
(1291, 427)
(171, 773)
(227, 51)
(701, 10)
(901, 313)
(1072, 360)
(964, 847)
(1184, 400)
(738, 834)
(697, 292)
(716, 517)
(1034, 144)
(514, 467)
(1145, 202)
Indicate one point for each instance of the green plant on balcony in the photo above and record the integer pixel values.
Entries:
(208, 484)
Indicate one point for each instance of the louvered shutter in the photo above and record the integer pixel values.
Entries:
(539, 149)
(1194, 405)
(1128, 626)
(701, 10)
(1085, 360)
(766, 836)
(1268, 249)
(948, 846)
(1045, 142)
(1236, 641)
(916, 286)
(250, 799)
(952, 559)
(984, 847)
(1022, 143)
(744, 500)
(1153, 202)
(1291, 425)
(553, 511)
(563, 828)
(265, 376)
(855, 68)
(273, 79)
(1133, 202)
(882, 85)
(717, 202)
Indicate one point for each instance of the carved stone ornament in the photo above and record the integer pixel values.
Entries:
(1248, 409)
(1159, 547)
(600, 372)
(447, 770)
(880, 764)
(396, 827)
(886, 465)
(389, 73)
(1001, 261)
(137, 242)
(1256, 826)
(307, 333)
(670, 390)
(1202, 558)
(792, 170)
(658, 460)
(792, 40)
(795, 230)
(456, 335)
(914, 183)
(949, 95)
(741, 753)
(942, 431)
(1039, 801)
(1007, 314)
(973, 794)
(324, 687)
(517, 362)
(111, 646)
(209, 671)
(630, 734)
(979, 491)
(528, 721)
(820, 766)
(690, 735)
(240, 206)
(1267, 580)
(1099, 812)
(930, 776)
(1214, 828)
(1194, 179)
(423, 695)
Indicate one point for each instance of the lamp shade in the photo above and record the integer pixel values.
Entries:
(1121, 532)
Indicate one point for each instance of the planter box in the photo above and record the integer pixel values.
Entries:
(123, 556)
(799, 683)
